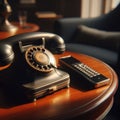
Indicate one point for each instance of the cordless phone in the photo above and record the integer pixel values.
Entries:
(90, 75)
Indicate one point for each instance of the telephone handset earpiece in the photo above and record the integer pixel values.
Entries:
(6, 54)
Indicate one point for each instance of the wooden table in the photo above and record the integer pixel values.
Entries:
(69, 103)
(30, 27)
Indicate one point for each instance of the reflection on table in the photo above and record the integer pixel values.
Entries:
(30, 27)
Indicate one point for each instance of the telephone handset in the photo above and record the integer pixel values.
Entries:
(32, 66)
(53, 42)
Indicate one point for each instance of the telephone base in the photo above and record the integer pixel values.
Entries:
(47, 85)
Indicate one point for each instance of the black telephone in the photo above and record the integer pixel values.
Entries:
(32, 67)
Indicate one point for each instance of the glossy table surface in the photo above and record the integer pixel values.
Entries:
(74, 102)
(30, 27)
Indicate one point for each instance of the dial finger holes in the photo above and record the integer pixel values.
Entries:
(38, 59)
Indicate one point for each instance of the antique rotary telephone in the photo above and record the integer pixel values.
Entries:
(32, 67)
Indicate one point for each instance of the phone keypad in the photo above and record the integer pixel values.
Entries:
(86, 70)
(87, 73)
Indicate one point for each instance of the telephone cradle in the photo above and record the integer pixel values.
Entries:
(32, 68)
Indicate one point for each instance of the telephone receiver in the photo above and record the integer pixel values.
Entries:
(7, 53)
(32, 65)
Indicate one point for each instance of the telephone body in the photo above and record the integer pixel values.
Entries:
(32, 68)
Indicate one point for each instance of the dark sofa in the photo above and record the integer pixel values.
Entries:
(98, 37)
(92, 36)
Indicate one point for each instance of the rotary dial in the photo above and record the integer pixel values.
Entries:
(37, 58)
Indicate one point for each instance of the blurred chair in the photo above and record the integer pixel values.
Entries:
(98, 37)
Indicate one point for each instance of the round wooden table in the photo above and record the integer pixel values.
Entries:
(75, 102)
(30, 27)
